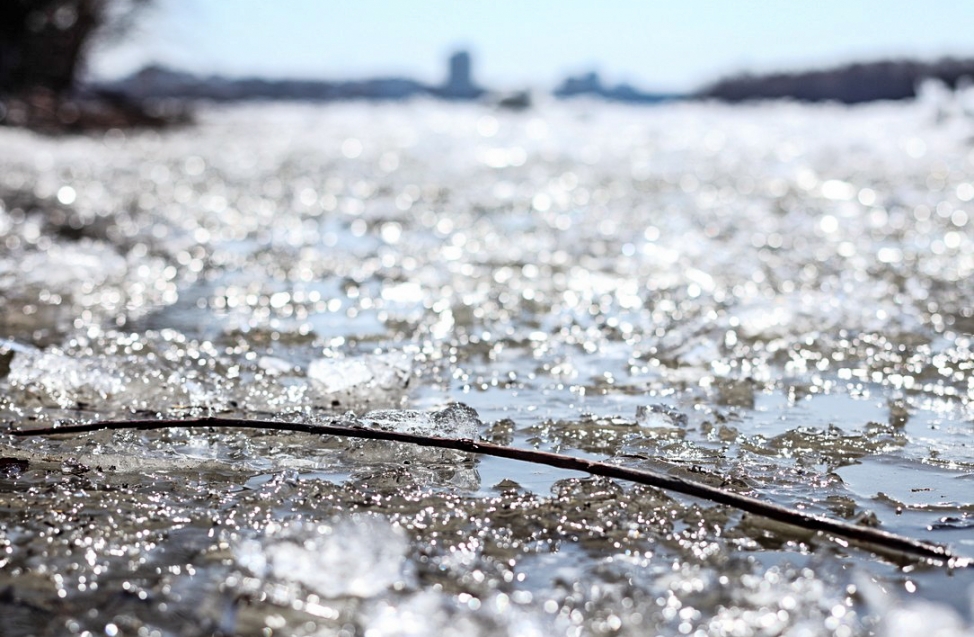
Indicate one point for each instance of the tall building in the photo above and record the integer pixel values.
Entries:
(459, 83)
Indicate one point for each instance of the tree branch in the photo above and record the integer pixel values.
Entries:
(873, 539)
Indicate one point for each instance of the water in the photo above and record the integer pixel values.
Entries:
(770, 298)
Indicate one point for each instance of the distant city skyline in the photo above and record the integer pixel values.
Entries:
(653, 45)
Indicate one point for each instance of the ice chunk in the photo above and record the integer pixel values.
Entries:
(409, 421)
(109, 381)
(339, 374)
(379, 371)
(660, 416)
(62, 379)
(274, 366)
(436, 613)
(427, 465)
(456, 421)
(359, 556)
(924, 619)
(7, 351)
(901, 617)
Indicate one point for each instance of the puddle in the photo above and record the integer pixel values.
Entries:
(911, 485)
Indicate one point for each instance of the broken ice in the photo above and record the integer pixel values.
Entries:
(456, 421)
(379, 371)
(359, 556)
(660, 416)
(65, 380)
(434, 613)
(427, 465)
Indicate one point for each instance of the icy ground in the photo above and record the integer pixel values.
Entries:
(776, 299)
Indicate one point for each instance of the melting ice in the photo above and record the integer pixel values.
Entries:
(359, 557)
(775, 294)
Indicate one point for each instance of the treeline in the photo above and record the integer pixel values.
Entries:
(849, 84)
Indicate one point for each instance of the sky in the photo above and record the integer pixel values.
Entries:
(655, 45)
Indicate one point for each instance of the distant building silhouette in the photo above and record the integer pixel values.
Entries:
(155, 82)
(459, 83)
(587, 84)
(591, 84)
(460, 70)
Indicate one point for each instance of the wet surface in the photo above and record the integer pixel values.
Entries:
(770, 299)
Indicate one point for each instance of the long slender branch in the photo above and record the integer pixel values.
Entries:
(873, 538)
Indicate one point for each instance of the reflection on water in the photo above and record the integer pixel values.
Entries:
(767, 298)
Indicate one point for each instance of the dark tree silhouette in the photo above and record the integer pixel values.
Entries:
(850, 84)
(43, 44)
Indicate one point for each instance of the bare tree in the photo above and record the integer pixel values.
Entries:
(43, 48)
(43, 42)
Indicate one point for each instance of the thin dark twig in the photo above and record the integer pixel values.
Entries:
(873, 538)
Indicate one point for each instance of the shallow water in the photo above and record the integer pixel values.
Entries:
(775, 299)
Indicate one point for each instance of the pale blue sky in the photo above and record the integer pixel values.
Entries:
(674, 45)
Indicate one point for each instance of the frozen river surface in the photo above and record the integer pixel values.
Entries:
(772, 299)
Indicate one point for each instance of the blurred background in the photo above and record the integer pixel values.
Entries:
(132, 50)
(656, 45)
